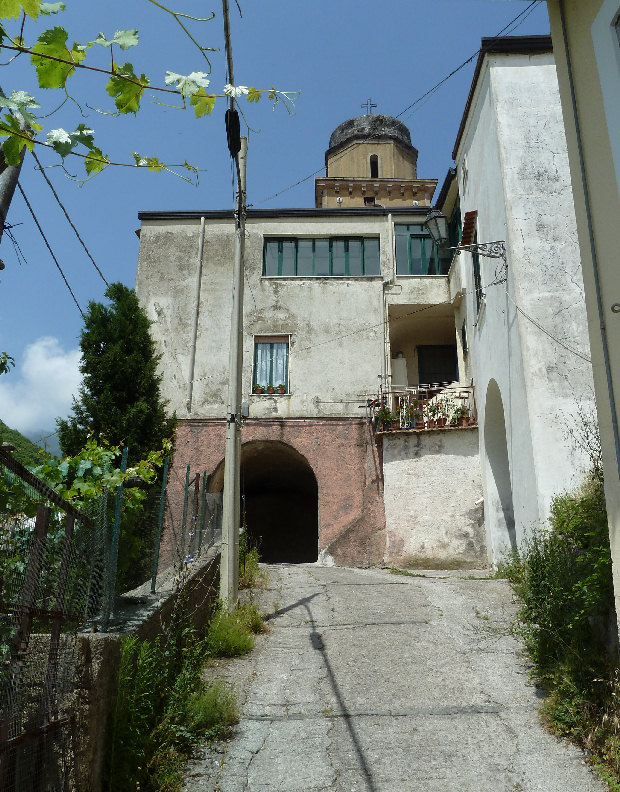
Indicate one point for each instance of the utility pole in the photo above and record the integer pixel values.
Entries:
(9, 174)
(229, 563)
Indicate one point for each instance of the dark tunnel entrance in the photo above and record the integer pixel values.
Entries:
(280, 497)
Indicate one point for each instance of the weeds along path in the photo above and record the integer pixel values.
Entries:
(374, 682)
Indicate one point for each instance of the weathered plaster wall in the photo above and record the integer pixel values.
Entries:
(593, 45)
(432, 498)
(513, 168)
(345, 462)
(335, 324)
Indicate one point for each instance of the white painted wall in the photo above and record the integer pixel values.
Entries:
(335, 324)
(514, 152)
(432, 493)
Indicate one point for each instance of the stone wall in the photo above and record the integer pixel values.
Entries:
(433, 510)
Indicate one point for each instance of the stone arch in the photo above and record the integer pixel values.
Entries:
(279, 495)
(498, 507)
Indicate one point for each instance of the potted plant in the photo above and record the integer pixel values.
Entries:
(432, 411)
(460, 416)
(271, 388)
(416, 412)
(384, 419)
(281, 388)
(446, 406)
(258, 388)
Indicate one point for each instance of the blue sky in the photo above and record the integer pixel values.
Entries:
(336, 54)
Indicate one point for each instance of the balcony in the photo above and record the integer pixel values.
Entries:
(423, 408)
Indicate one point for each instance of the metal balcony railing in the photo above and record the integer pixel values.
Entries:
(431, 406)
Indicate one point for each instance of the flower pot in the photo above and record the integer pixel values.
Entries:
(441, 422)
(432, 423)
(271, 389)
(281, 390)
(419, 424)
(258, 389)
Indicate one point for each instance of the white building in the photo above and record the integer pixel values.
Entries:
(352, 295)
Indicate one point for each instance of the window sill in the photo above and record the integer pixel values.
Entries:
(320, 277)
(270, 394)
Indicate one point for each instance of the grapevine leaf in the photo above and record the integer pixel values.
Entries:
(17, 139)
(254, 95)
(64, 142)
(235, 90)
(96, 161)
(187, 85)
(126, 88)
(19, 102)
(11, 9)
(61, 141)
(152, 163)
(53, 43)
(52, 8)
(124, 39)
(203, 103)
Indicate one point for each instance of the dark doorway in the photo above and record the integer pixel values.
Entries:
(437, 363)
(280, 498)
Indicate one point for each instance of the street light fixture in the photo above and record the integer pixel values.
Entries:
(437, 225)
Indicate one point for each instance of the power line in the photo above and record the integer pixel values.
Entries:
(512, 25)
(34, 217)
(51, 186)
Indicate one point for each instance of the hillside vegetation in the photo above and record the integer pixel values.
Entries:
(26, 452)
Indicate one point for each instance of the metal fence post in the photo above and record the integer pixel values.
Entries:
(183, 523)
(160, 522)
(203, 509)
(111, 581)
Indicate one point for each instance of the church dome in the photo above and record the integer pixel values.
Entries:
(372, 126)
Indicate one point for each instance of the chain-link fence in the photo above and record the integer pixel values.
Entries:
(62, 570)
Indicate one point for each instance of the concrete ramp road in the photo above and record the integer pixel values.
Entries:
(375, 682)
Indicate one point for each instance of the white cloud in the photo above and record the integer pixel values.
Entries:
(40, 387)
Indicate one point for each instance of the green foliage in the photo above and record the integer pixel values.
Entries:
(6, 363)
(250, 573)
(54, 61)
(231, 633)
(119, 400)
(26, 452)
(163, 706)
(567, 620)
(58, 65)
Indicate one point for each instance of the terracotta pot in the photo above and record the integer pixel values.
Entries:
(281, 390)
(419, 424)
(441, 422)
(271, 390)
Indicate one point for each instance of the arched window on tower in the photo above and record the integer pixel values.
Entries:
(374, 166)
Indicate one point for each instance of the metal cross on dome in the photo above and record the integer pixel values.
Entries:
(368, 105)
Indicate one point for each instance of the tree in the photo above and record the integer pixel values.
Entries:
(120, 400)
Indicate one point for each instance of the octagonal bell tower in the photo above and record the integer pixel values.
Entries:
(371, 162)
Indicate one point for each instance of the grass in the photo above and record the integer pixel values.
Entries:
(250, 573)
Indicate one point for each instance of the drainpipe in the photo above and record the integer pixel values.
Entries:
(192, 354)
(385, 366)
(593, 253)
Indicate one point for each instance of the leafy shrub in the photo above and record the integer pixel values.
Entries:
(567, 619)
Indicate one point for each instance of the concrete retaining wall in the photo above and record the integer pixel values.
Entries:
(432, 484)
(145, 615)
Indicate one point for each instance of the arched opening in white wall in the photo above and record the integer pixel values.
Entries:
(279, 495)
(498, 507)
(374, 166)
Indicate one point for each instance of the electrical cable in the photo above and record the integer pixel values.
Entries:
(34, 217)
(512, 25)
(51, 186)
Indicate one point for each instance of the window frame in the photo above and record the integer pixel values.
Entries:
(271, 338)
(424, 235)
(331, 240)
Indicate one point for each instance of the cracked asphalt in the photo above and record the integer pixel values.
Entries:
(369, 681)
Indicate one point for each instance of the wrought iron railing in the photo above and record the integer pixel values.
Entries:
(424, 407)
